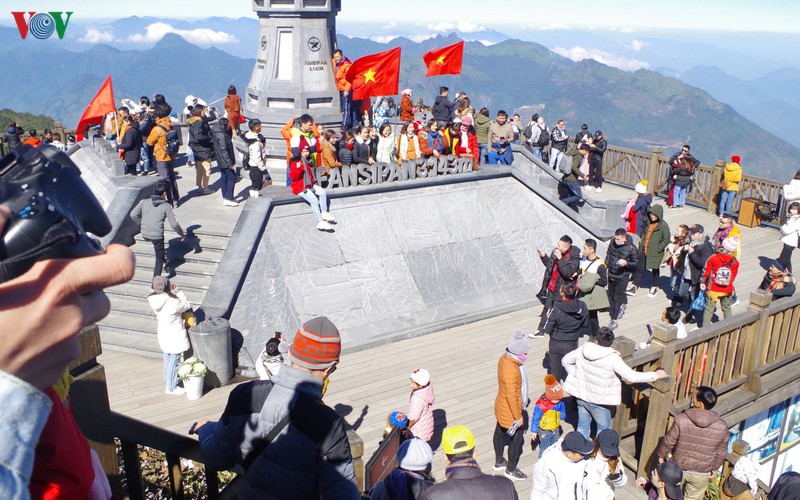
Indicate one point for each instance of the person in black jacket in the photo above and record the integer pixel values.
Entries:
(202, 145)
(682, 172)
(596, 151)
(700, 250)
(223, 151)
(442, 109)
(561, 267)
(11, 137)
(361, 148)
(621, 262)
(146, 124)
(567, 322)
(130, 146)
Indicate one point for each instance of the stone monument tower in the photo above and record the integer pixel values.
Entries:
(293, 73)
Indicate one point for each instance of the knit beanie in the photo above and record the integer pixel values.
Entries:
(414, 454)
(518, 344)
(731, 243)
(317, 344)
(552, 389)
(466, 120)
(736, 158)
(641, 188)
(421, 376)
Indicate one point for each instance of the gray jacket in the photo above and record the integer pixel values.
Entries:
(310, 458)
(150, 215)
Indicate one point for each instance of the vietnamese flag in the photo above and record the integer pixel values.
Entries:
(445, 61)
(375, 74)
(101, 105)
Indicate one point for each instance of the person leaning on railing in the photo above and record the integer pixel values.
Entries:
(42, 312)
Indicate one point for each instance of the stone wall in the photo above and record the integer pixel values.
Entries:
(400, 263)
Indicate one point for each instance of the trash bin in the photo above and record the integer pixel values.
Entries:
(211, 340)
(747, 213)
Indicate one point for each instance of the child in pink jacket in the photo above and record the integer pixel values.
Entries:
(420, 405)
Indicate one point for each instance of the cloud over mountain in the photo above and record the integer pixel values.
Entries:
(616, 61)
(200, 36)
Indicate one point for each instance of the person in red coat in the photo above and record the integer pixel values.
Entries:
(720, 273)
(304, 185)
(468, 142)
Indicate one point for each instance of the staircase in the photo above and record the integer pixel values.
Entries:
(131, 325)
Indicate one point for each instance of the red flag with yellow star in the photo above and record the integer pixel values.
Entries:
(445, 61)
(375, 74)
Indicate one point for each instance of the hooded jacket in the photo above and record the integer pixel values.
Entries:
(361, 153)
(406, 108)
(698, 440)
(568, 266)
(568, 321)
(157, 139)
(556, 477)
(150, 214)
(575, 169)
(302, 175)
(642, 208)
(716, 262)
(482, 124)
(442, 109)
(698, 258)
(508, 403)
(131, 144)
(596, 482)
(733, 175)
(465, 481)
(223, 146)
(420, 409)
(658, 241)
(11, 137)
(627, 252)
(594, 372)
(172, 338)
(791, 231)
(200, 139)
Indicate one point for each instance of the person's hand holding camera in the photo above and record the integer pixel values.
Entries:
(44, 309)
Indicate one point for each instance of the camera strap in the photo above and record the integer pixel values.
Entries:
(19, 264)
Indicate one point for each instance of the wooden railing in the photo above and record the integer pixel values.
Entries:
(627, 167)
(744, 358)
(739, 449)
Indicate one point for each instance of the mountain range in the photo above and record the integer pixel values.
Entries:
(637, 109)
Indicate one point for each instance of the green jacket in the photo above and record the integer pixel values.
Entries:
(591, 286)
(658, 240)
(576, 173)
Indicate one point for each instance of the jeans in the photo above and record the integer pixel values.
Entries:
(555, 156)
(483, 153)
(167, 172)
(679, 196)
(711, 306)
(144, 164)
(617, 296)
(506, 157)
(171, 370)
(317, 205)
(558, 349)
(726, 201)
(161, 256)
(589, 411)
(576, 195)
(547, 439)
(228, 182)
(501, 439)
(536, 151)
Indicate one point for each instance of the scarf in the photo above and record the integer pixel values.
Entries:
(525, 400)
(721, 234)
(554, 277)
(461, 464)
(307, 179)
(404, 146)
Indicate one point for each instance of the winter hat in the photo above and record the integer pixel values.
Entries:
(598, 132)
(696, 228)
(747, 472)
(608, 439)
(641, 188)
(552, 389)
(672, 475)
(778, 265)
(414, 454)
(406, 91)
(421, 376)
(466, 120)
(731, 243)
(397, 419)
(317, 344)
(160, 284)
(457, 439)
(736, 158)
(518, 344)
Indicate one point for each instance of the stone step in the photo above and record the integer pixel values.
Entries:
(180, 253)
(139, 286)
(144, 268)
(206, 240)
(142, 324)
(139, 290)
(121, 340)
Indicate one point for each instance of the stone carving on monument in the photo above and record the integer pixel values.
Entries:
(293, 74)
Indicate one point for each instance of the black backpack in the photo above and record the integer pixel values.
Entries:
(173, 140)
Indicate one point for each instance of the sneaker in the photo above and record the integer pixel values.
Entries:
(327, 217)
(613, 325)
(176, 392)
(588, 188)
(599, 190)
(230, 203)
(324, 226)
(536, 334)
(516, 475)
(500, 465)
(254, 193)
(653, 291)
(631, 291)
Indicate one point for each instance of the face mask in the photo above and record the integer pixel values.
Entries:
(522, 357)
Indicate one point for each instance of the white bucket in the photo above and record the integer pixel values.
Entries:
(194, 386)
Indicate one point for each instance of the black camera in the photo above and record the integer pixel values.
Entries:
(54, 214)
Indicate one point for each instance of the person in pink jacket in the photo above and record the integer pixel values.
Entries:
(420, 405)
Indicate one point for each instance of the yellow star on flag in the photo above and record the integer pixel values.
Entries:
(440, 60)
(369, 76)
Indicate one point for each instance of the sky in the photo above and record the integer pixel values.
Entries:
(775, 16)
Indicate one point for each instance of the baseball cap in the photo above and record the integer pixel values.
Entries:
(672, 475)
(696, 228)
(457, 439)
(608, 439)
(575, 442)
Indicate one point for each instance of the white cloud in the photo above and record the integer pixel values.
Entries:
(94, 35)
(581, 53)
(382, 38)
(548, 27)
(390, 25)
(463, 26)
(201, 36)
(637, 45)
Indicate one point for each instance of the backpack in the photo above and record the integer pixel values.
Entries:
(565, 164)
(528, 131)
(391, 106)
(173, 141)
(246, 154)
(544, 137)
(723, 276)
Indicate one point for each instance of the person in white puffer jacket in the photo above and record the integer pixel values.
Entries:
(790, 234)
(791, 191)
(593, 378)
(604, 472)
(168, 302)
